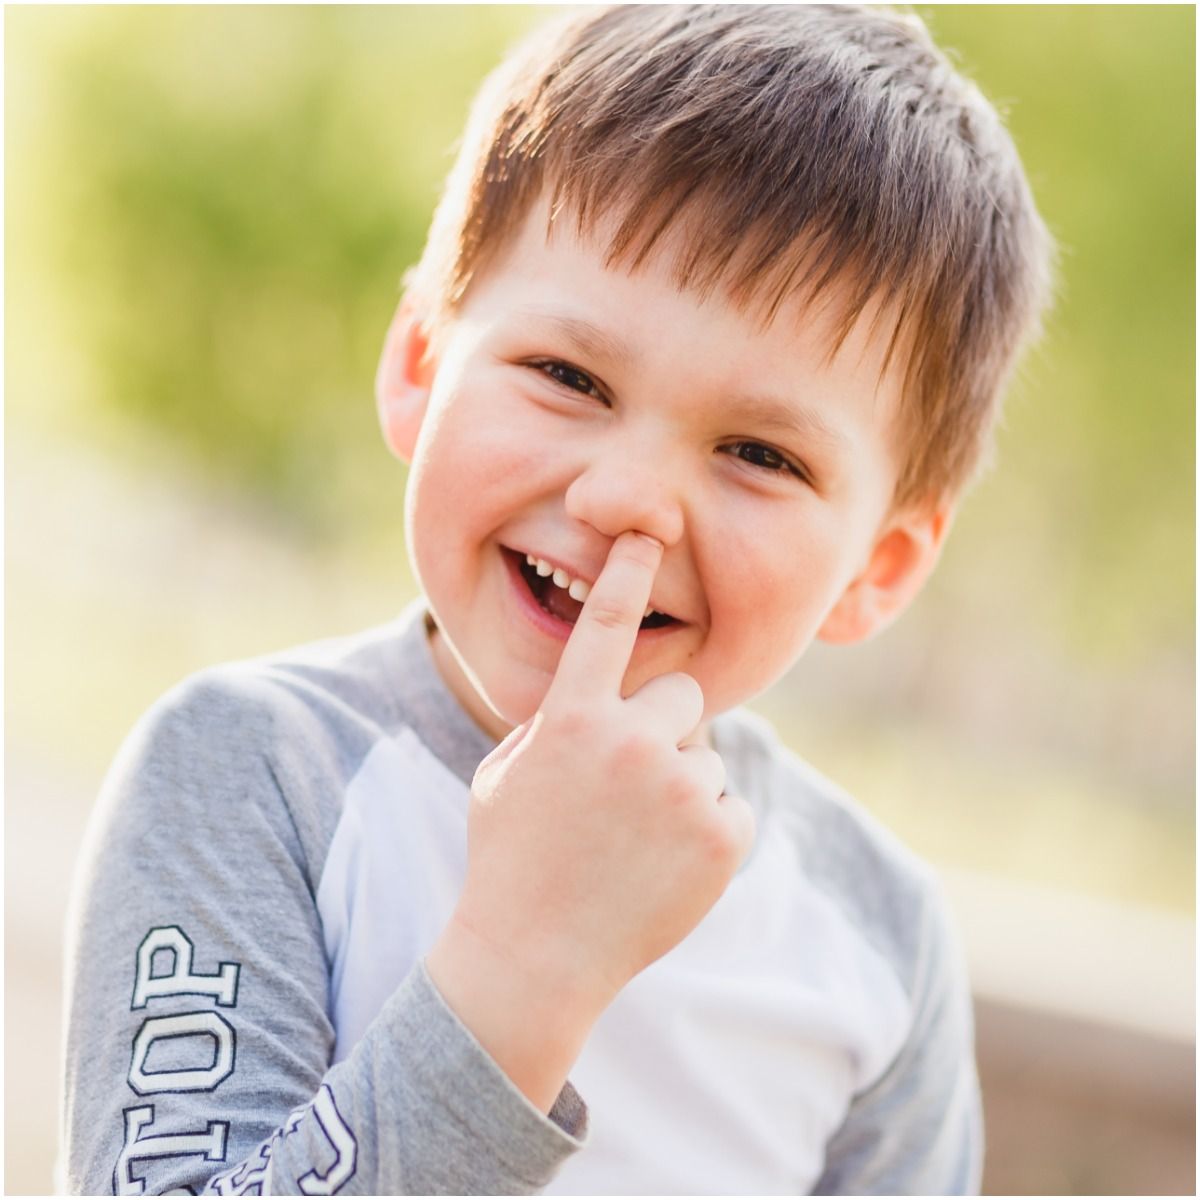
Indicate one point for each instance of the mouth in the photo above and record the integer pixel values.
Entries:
(561, 595)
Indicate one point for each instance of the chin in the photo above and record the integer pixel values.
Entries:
(511, 705)
(515, 708)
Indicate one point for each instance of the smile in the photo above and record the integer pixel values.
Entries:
(562, 595)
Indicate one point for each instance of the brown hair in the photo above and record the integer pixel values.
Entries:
(813, 144)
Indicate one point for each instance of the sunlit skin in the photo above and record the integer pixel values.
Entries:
(567, 402)
(565, 409)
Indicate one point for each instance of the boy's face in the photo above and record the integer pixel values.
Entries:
(567, 403)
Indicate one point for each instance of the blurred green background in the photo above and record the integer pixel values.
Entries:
(208, 211)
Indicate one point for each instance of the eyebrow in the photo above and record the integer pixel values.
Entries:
(769, 413)
(765, 412)
(584, 335)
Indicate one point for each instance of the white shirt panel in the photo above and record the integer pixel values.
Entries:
(392, 877)
(779, 1009)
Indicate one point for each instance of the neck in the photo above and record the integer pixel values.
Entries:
(479, 711)
(461, 687)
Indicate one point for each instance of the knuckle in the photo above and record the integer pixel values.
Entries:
(571, 722)
(608, 613)
(720, 845)
(679, 789)
(636, 747)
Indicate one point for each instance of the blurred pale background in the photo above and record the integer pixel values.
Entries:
(208, 211)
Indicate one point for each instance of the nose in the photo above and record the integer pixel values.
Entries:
(622, 489)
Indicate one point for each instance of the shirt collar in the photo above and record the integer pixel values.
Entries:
(428, 706)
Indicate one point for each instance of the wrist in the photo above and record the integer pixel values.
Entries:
(531, 1020)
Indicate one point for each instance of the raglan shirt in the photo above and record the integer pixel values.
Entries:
(278, 845)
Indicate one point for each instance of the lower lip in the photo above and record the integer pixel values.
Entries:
(548, 623)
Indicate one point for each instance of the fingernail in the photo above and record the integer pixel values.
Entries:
(647, 538)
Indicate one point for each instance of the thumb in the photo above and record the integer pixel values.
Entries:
(499, 757)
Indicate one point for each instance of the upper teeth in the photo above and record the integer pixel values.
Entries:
(577, 589)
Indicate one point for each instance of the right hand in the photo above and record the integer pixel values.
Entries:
(597, 840)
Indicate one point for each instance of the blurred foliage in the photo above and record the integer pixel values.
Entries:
(227, 198)
(209, 210)
(1101, 102)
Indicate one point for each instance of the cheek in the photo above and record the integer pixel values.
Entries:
(488, 438)
(459, 473)
(763, 584)
(766, 609)
(472, 473)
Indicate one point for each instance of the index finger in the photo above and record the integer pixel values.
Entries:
(600, 646)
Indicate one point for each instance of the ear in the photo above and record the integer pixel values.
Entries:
(902, 558)
(403, 381)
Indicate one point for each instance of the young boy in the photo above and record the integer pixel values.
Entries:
(705, 343)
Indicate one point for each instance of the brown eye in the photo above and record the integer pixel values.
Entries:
(762, 456)
(570, 377)
(766, 459)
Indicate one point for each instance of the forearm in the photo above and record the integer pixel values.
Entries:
(195, 941)
(533, 1024)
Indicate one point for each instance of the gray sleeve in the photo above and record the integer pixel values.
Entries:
(917, 1131)
(198, 1039)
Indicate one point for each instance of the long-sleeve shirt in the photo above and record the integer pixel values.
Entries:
(279, 843)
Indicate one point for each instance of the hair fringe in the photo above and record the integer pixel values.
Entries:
(828, 153)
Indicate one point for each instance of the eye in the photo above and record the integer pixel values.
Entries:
(569, 377)
(767, 459)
